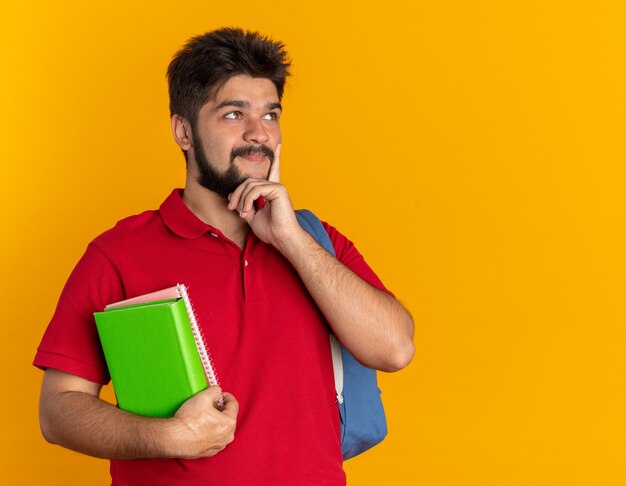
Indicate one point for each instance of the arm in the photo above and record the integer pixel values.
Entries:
(370, 323)
(72, 415)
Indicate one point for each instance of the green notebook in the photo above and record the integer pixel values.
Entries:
(155, 352)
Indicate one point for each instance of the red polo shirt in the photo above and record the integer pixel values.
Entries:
(268, 341)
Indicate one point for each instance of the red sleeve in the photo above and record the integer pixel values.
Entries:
(348, 255)
(71, 341)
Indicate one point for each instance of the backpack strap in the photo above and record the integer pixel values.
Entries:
(361, 412)
(312, 225)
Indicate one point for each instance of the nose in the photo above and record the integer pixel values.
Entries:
(255, 131)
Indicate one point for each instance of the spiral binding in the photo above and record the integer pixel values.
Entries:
(205, 358)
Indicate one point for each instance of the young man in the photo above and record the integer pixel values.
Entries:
(264, 292)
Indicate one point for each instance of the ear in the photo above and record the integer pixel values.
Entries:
(181, 129)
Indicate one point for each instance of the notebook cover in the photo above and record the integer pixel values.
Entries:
(165, 294)
(152, 356)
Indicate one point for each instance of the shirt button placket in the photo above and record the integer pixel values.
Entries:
(244, 279)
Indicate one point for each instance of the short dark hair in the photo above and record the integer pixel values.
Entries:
(208, 61)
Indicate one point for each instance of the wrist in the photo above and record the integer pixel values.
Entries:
(175, 438)
(294, 243)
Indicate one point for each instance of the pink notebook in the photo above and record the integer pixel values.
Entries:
(178, 292)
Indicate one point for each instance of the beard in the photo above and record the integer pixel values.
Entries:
(226, 182)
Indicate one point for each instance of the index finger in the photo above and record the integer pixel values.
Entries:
(274, 175)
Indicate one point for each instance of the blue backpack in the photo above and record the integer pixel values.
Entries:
(363, 423)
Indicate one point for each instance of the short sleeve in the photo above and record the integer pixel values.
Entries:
(71, 342)
(348, 254)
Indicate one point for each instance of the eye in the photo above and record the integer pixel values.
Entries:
(271, 116)
(234, 115)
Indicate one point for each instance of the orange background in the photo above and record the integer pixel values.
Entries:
(474, 151)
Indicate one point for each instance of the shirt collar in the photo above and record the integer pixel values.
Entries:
(179, 218)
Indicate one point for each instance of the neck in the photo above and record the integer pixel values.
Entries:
(211, 208)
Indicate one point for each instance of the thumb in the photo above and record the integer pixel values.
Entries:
(214, 392)
(231, 405)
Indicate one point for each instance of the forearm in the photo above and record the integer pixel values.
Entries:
(370, 323)
(86, 424)
(73, 416)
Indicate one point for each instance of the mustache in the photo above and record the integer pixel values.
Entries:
(251, 149)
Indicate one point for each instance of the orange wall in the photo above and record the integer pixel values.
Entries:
(474, 151)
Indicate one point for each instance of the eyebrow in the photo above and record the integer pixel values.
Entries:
(246, 104)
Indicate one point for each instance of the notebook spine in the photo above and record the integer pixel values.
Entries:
(205, 358)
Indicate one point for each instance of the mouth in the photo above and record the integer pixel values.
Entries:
(258, 158)
(253, 154)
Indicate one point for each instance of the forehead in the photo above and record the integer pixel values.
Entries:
(256, 91)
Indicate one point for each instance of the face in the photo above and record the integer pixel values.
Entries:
(236, 134)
